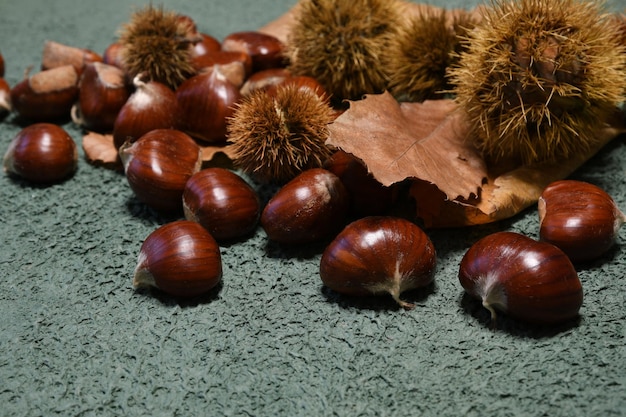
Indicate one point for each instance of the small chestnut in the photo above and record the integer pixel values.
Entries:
(47, 95)
(102, 93)
(265, 50)
(42, 153)
(580, 218)
(180, 258)
(264, 80)
(222, 202)
(5, 98)
(379, 255)
(368, 197)
(205, 103)
(528, 280)
(158, 165)
(151, 106)
(310, 207)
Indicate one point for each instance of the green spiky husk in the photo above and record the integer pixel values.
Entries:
(157, 42)
(341, 42)
(539, 78)
(420, 56)
(277, 137)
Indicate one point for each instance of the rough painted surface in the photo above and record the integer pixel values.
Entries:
(76, 339)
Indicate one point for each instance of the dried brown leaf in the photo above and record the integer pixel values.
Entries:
(430, 144)
(427, 141)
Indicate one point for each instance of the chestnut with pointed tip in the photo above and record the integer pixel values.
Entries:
(47, 95)
(158, 165)
(180, 258)
(102, 94)
(41, 153)
(379, 255)
(151, 106)
(580, 218)
(205, 103)
(528, 280)
(222, 202)
(310, 207)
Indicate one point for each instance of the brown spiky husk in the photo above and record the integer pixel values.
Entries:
(157, 42)
(539, 78)
(341, 43)
(420, 56)
(275, 137)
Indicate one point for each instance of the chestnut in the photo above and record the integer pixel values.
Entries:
(264, 80)
(310, 207)
(41, 153)
(151, 106)
(266, 51)
(203, 62)
(528, 280)
(113, 55)
(368, 197)
(5, 98)
(180, 258)
(580, 218)
(208, 45)
(47, 95)
(205, 103)
(222, 202)
(379, 255)
(158, 165)
(102, 94)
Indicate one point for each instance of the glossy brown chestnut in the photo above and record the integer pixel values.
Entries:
(5, 97)
(158, 165)
(102, 94)
(310, 207)
(529, 280)
(202, 63)
(580, 218)
(56, 54)
(179, 258)
(222, 202)
(205, 102)
(151, 106)
(265, 50)
(263, 80)
(208, 45)
(113, 55)
(42, 153)
(368, 197)
(379, 255)
(47, 95)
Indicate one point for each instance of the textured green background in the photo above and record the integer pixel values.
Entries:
(76, 339)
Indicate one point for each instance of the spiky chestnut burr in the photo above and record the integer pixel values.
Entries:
(341, 43)
(158, 42)
(420, 56)
(539, 78)
(277, 135)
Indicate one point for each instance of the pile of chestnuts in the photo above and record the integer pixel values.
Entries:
(157, 132)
